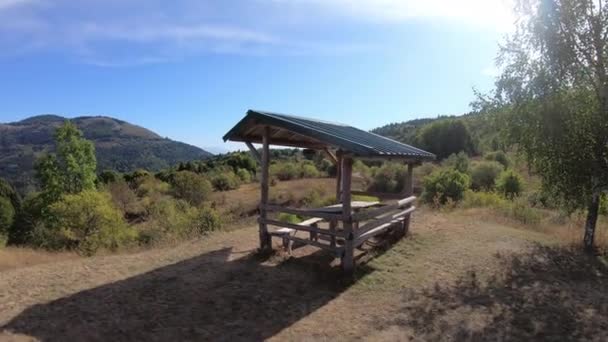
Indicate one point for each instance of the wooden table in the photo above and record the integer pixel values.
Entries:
(355, 205)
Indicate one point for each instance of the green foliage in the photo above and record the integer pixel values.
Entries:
(445, 185)
(484, 174)
(509, 183)
(224, 181)
(458, 161)
(125, 198)
(482, 199)
(7, 216)
(498, 156)
(72, 168)
(86, 221)
(108, 176)
(244, 175)
(316, 198)
(7, 191)
(518, 209)
(206, 220)
(289, 218)
(191, 187)
(389, 178)
(445, 137)
(309, 171)
(284, 171)
(365, 198)
(30, 216)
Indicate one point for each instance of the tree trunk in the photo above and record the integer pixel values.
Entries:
(592, 213)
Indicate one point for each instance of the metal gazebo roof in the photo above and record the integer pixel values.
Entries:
(296, 131)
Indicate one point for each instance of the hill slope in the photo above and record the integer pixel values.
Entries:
(119, 146)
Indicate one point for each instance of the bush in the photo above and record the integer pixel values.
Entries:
(7, 216)
(289, 218)
(482, 199)
(445, 137)
(509, 184)
(424, 170)
(87, 221)
(27, 219)
(389, 178)
(284, 171)
(520, 210)
(206, 220)
(309, 171)
(124, 198)
(500, 157)
(458, 161)
(191, 187)
(224, 181)
(244, 175)
(484, 174)
(107, 177)
(152, 187)
(445, 185)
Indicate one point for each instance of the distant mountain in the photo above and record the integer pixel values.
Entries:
(119, 145)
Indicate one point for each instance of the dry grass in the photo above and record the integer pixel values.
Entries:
(462, 275)
(13, 257)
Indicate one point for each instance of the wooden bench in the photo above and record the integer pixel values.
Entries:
(284, 233)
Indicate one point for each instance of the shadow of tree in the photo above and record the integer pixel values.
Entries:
(550, 293)
(208, 297)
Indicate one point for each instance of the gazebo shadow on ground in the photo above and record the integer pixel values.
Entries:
(208, 297)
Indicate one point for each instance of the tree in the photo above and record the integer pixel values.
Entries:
(445, 137)
(555, 87)
(71, 169)
(7, 215)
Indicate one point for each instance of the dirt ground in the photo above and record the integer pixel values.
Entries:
(457, 276)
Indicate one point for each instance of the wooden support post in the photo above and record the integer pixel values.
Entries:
(408, 190)
(265, 240)
(348, 259)
(333, 224)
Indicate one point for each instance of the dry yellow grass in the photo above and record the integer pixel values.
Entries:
(13, 257)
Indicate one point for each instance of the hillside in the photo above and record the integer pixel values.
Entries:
(120, 146)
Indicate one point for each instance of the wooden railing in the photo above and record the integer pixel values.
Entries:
(375, 221)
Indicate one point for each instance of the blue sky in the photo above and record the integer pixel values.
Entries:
(189, 69)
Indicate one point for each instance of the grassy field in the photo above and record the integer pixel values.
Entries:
(459, 275)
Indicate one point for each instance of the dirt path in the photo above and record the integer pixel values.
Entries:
(453, 278)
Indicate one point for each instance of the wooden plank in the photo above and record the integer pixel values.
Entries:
(381, 195)
(375, 223)
(348, 260)
(368, 214)
(311, 221)
(301, 227)
(408, 185)
(302, 212)
(378, 230)
(339, 176)
(254, 152)
(265, 242)
(333, 159)
(338, 251)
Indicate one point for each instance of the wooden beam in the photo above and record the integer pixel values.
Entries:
(368, 214)
(408, 185)
(301, 227)
(382, 227)
(254, 152)
(339, 176)
(302, 212)
(348, 260)
(330, 156)
(375, 223)
(381, 195)
(265, 242)
(336, 250)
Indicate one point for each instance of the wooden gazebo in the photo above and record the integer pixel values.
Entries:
(350, 224)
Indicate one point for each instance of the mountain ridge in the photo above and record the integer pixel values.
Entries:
(119, 145)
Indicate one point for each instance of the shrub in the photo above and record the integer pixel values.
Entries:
(444, 185)
(107, 177)
(309, 171)
(124, 197)
(284, 171)
(244, 175)
(151, 186)
(27, 219)
(389, 178)
(482, 199)
(424, 170)
(191, 187)
(483, 175)
(444, 137)
(509, 184)
(224, 181)
(520, 210)
(7, 216)
(458, 161)
(87, 221)
(206, 220)
(289, 218)
(316, 198)
(500, 157)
